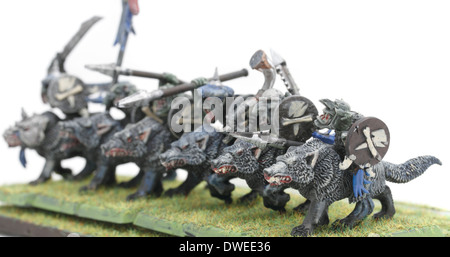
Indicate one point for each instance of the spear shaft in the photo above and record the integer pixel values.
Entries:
(142, 98)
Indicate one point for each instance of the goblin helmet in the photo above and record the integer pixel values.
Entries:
(117, 92)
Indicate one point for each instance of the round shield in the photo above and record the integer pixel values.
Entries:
(296, 116)
(367, 141)
(68, 93)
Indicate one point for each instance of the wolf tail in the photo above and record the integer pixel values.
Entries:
(409, 170)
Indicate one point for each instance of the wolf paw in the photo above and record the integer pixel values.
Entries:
(248, 198)
(38, 181)
(301, 230)
(136, 196)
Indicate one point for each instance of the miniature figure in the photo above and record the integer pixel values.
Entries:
(352, 137)
(63, 91)
(313, 169)
(247, 161)
(42, 133)
(247, 157)
(141, 143)
(194, 152)
(117, 92)
(154, 127)
(91, 132)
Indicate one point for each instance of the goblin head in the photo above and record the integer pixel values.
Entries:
(332, 113)
(241, 157)
(161, 107)
(118, 92)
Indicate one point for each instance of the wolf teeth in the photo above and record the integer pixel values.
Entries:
(225, 169)
(174, 163)
(278, 179)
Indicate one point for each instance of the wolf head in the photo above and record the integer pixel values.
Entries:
(241, 157)
(89, 130)
(30, 131)
(297, 166)
(132, 141)
(188, 150)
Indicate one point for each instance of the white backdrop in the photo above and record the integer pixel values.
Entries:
(389, 59)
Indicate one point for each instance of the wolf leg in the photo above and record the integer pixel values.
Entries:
(249, 197)
(64, 172)
(88, 169)
(220, 187)
(316, 216)
(275, 198)
(303, 207)
(150, 185)
(186, 187)
(104, 176)
(362, 209)
(46, 173)
(132, 182)
(387, 204)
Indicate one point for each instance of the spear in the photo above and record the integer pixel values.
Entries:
(263, 139)
(129, 8)
(143, 98)
(112, 69)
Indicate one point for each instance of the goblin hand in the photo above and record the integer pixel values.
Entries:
(170, 78)
(328, 139)
(198, 82)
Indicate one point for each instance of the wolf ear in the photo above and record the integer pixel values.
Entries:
(256, 152)
(24, 114)
(311, 158)
(202, 142)
(102, 129)
(144, 136)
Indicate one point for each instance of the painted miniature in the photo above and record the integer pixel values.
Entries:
(117, 92)
(64, 91)
(116, 149)
(42, 132)
(194, 152)
(361, 142)
(140, 143)
(91, 132)
(253, 152)
(247, 161)
(313, 169)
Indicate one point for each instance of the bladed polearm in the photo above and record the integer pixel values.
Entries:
(129, 9)
(143, 98)
(112, 69)
(283, 71)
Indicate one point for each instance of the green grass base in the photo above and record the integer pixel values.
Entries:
(201, 215)
(67, 224)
